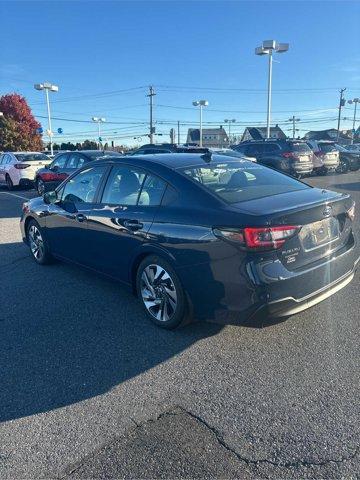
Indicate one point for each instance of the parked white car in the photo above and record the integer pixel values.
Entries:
(19, 168)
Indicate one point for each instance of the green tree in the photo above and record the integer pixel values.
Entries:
(18, 125)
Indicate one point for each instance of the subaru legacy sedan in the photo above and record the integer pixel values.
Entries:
(199, 236)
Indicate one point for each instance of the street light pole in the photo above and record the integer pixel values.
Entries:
(53, 88)
(98, 120)
(355, 101)
(267, 48)
(152, 129)
(201, 104)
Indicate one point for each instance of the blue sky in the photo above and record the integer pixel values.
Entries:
(104, 55)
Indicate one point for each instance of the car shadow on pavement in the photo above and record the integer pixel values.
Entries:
(354, 187)
(67, 335)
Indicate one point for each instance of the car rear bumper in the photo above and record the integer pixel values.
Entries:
(264, 287)
(303, 167)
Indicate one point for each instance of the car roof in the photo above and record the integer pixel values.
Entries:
(178, 160)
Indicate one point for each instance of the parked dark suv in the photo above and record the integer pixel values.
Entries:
(289, 156)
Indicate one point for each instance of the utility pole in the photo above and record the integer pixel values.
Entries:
(178, 139)
(293, 119)
(341, 104)
(152, 128)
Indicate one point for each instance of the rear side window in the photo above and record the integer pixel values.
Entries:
(59, 161)
(73, 161)
(129, 186)
(271, 148)
(238, 181)
(253, 149)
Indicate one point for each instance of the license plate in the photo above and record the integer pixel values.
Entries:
(303, 158)
(319, 233)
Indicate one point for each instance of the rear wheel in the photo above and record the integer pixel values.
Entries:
(161, 293)
(9, 182)
(38, 245)
(40, 186)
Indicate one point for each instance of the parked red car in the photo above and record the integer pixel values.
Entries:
(63, 165)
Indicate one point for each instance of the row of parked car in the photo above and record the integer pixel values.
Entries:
(294, 157)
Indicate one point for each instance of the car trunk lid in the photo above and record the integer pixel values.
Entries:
(321, 215)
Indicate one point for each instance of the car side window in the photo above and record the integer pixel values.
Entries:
(271, 148)
(59, 161)
(123, 186)
(152, 191)
(1, 159)
(253, 150)
(81, 161)
(9, 158)
(83, 186)
(73, 161)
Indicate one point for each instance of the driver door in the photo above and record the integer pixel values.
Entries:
(67, 219)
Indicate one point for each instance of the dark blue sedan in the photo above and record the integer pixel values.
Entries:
(199, 236)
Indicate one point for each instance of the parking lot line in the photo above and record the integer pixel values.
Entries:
(14, 195)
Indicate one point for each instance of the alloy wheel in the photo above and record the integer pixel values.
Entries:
(36, 242)
(158, 292)
(40, 187)
(9, 182)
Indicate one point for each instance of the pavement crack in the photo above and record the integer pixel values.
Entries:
(256, 462)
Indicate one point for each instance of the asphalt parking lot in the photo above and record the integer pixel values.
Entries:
(91, 389)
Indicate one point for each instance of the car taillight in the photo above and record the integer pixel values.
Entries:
(351, 212)
(21, 166)
(288, 154)
(259, 238)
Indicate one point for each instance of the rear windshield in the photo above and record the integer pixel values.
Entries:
(101, 153)
(327, 147)
(31, 157)
(239, 181)
(300, 147)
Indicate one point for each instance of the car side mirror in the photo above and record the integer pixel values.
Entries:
(55, 168)
(50, 197)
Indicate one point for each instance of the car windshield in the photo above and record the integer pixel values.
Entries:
(300, 147)
(31, 157)
(327, 147)
(340, 148)
(240, 181)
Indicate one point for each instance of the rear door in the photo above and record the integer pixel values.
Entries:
(119, 223)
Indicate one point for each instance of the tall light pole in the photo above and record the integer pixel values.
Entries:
(227, 120)
(46, 86)
(267, 48)
(355, 101)
(99, 121)
(201, 104)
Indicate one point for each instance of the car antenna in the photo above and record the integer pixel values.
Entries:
(207, 156)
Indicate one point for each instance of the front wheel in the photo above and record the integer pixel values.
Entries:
(40, 187)
(343, 167)
(38, 244)
(161, 293)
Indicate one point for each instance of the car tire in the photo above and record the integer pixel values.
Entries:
(343, 167)
(161, 293)
(9, 182)
(40, 187)
(39, 247)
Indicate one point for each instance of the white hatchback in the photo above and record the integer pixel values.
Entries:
(19, 168)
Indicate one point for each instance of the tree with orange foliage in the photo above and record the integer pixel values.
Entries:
(18, 127)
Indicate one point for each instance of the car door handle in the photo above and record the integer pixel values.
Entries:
(80, 217)
(133, 224)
